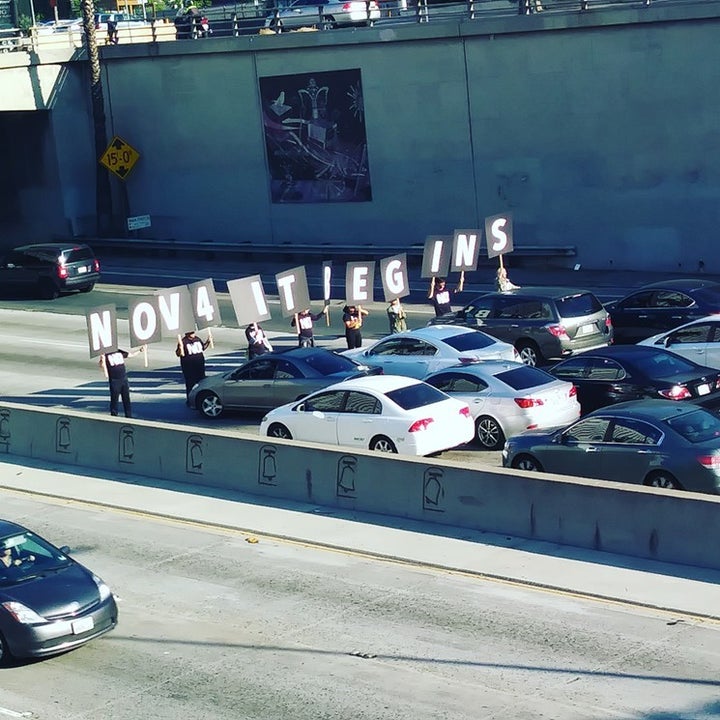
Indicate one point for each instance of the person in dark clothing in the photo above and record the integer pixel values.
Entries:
(305, 320)
(258, 342)
(192, 360)
(440, 298)
(113, 363)
(353, 320)
(112, 32)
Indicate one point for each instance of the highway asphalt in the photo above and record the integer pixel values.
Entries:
(679, 590)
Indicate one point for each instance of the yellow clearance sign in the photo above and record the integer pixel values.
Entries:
(120, 158)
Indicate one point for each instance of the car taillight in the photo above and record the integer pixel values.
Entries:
(557, 330)
(711, 462)
(572, 392)
(465, 411)
(608, 322)
(420, 425)
(347, 7)
(62, 272)
(676, 392)
(526, 403)
(96, 265)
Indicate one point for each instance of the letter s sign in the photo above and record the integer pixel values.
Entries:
(498, 231)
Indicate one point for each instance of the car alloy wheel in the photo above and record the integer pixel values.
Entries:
(663, 480)
(488, 433)
(279, 431)
(529, 354)
(382, 444)
(526, 462)
(210, 405)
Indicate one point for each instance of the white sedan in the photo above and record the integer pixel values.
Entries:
(507, 398)
(698, 341)
(415, 353)
(386, 413)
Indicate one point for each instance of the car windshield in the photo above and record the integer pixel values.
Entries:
(662, 364)
(573, 306)
(697, 426)
(330, 363)
(24, 554)
(525, 377)
(416, 395)
(469, 341)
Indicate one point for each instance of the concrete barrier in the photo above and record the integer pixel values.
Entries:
(629, 520)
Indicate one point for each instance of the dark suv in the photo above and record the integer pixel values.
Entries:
(542, 323)
(49, 269)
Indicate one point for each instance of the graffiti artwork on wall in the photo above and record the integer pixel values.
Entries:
(315, 136)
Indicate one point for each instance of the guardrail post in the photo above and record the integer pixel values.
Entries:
(370, 21)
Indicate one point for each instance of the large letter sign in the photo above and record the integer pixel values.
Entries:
(436, 256)
(176, 310)
(248, 299)
(293, 291)
(466, 248)
(205, 305)
(144, 321)
(394, 274)
(359, 277)
(498, 231)
(102, 329)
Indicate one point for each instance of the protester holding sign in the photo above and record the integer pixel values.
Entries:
(503, 282)
(258, 342)
(192, 360)
(113, 364)
(305, 320)
(440, 298)
(353, 320)
(396, 316)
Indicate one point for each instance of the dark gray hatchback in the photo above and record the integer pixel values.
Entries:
(48, 269)
(541, 322)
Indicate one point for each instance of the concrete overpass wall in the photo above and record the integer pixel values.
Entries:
(596, 129)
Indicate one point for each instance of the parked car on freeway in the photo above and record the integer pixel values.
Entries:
(273, 379)
(325, 13)
(650, 442)
(662, 306)
(415, 353)
(123, 21)
(49, 603)
(49, 269)
(698, 341)
(385, 413)
(506, 398)
(542, 323)
(631, 372)
(11, 38)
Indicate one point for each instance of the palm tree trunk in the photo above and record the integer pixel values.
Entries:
(103, 197)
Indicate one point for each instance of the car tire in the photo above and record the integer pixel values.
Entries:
(663, 479)
(278, 430)
(88, 288)
(328, 23)
(47, 289)
(210, 405)
(526, 462)
(488, 433)
(529, 353)
(383, 444)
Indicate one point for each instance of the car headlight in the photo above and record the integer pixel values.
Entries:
(103, 589)
(23, 614)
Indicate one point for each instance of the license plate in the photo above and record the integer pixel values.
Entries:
(703, 389)
(82, 625)
(83, 269)
(587, 329)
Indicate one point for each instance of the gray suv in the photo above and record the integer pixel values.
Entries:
(48, 269)
(543, 323)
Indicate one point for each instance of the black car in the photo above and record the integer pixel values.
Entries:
(661, 306)
(49, 603)
(273, 379)
(650, 442)
(46, 270)
(632, 372)
(542, 323)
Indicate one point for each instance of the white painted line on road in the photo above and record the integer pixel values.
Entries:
(54, 343)
(12, 713)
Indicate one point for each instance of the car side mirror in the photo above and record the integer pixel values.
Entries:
(667, 342)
